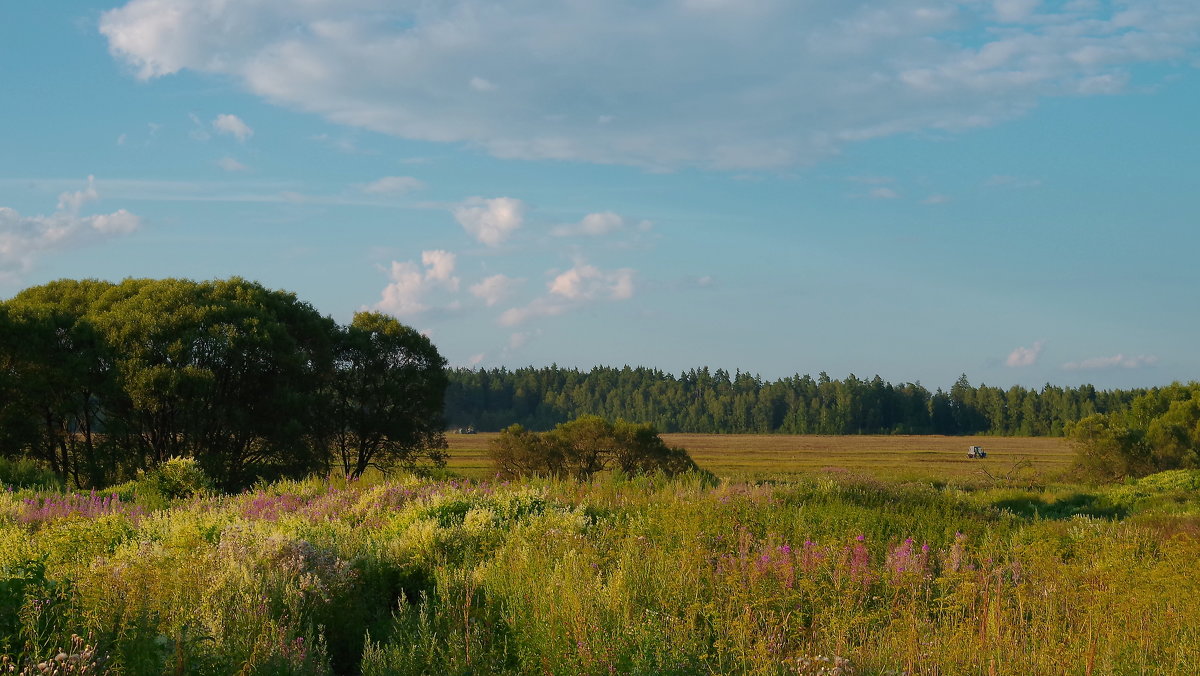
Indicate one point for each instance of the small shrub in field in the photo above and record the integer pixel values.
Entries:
(178, 478)
(25, 473)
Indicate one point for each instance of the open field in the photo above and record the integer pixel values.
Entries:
(760, 456)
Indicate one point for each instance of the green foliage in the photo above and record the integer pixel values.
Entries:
(705, 401)
(99, 381)
(584, 447)
(178, 478)
(26, 473)
(642, 574)
(387, 396)
(1161, 431)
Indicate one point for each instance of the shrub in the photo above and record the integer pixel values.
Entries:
(585, 446)
(26, 473)
(178, 478)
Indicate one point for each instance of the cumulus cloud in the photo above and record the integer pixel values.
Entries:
(796, 80)
(439, 266)
(582, 285)
(538, 307)
(587, 282)
(1025, 356)
(1115, 361)
(494, 289)
(592, 225)
(411, 284)
(24, 238)
(936, 199)
(883, 194)
(231, 165)
(490, 221)
(232, 125)
(393, 185)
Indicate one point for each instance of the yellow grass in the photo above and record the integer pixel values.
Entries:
(761, 456)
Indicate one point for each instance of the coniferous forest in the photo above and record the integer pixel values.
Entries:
(706, 401)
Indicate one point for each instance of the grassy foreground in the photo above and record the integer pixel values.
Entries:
(827, 574)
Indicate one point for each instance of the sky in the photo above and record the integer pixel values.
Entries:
(917, 189)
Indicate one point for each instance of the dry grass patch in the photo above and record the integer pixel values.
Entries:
(763, 456)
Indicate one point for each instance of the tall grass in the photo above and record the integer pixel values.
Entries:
(646, 575)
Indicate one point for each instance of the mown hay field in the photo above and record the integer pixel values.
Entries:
(772, 456)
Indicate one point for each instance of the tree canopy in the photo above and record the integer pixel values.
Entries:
(584, 447)
(100, 380)
(1160, 431)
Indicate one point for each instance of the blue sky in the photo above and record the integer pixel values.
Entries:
(1006, 188)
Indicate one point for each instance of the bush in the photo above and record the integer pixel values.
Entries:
(178, 478)
(26, 473)
(584, 447)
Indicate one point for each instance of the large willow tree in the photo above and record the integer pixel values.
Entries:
(100, 380)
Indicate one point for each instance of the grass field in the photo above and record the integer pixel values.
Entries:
(763, 456)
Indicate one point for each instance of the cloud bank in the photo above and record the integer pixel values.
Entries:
(634, 83)
(1115, 361)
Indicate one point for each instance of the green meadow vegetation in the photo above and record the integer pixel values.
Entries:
(211, 478)
(830, 573)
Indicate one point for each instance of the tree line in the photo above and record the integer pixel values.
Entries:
(1159, 431)
(99, 381)
(706, 401)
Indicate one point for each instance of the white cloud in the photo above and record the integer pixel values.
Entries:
(440, 267)
(403, 296)
(520, 339)
(476, 359)
(481, 85)
(72, 202)
(538, 307)
(587, 282)
(24, 238)
(936, 199)
(592, 225)
(1025, 356)
(411, 284)
(883, 194)
(1013, 11)
(231, 165)
(494, 289)
(580, 286)
(232, 125)
(490, 221)
(751, 83)
(1115, 361)
(393, 185)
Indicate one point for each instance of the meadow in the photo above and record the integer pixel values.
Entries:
(797, 558)
(928, 458)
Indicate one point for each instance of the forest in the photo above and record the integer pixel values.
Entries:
(706, 401)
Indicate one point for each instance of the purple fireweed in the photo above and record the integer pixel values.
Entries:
(44, 508)
(902, 559)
